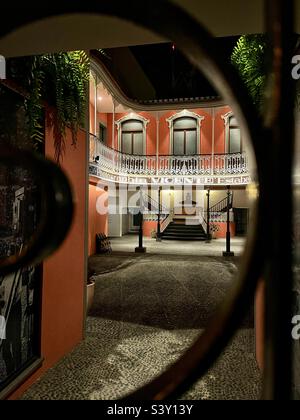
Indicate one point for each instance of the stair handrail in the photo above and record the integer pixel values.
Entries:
(167, 214)
(221, 206)
(166, 221)
(154, 204)
(202, 220)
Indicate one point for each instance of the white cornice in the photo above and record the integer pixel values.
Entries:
(227, 117)
(132, 116)
(185, 113)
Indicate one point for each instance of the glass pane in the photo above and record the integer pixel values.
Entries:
(185, 122)
(235, 140)
(178, 143)
(126, 143)
(132, 125)
(138, 144)
(191, 142)
(102, 133)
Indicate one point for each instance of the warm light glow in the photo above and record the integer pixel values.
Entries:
(252, 191)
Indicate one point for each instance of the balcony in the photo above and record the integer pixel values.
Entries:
(224, 169)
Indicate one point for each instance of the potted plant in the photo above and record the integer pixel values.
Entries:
(57, 82)
(153, 234)
(214, 228)
(90, 292)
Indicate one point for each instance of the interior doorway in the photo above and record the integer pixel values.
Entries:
(241, 217)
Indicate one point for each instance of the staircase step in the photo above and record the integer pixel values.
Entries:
(172, 233)
(194, 238)
(178, 230)
(184, 234)
(185, 228)
(166, 232)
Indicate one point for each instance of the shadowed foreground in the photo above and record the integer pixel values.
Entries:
(148, 309)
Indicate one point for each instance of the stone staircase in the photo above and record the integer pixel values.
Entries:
(178, 230)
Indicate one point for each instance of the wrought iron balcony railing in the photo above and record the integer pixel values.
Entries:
(115, 162)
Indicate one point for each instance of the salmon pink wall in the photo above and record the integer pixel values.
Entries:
(220, 130)
(205, 136)
(64, 273)
(206, 144)
(109, 131)
(148, 227)
(223, 229)
(151, 133)
(206, 132)
(98, 223)
(101, 117)
(164, 134)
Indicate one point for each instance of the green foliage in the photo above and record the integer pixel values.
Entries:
(60, 80)
(249, 57)
(33, 107)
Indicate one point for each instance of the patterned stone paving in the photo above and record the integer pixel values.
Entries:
(147, 311)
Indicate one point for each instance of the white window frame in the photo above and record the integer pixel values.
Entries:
(226, 119)
(130, 117)
(185, 114)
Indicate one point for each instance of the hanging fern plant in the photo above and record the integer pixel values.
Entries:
(249, 57)
(60, 80)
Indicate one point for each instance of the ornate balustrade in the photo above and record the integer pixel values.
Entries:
(231, 164)
(120, 164)
(185, 165)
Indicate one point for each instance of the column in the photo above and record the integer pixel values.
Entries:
(157, 142)
(228, 252)
(158, 233)
(213, 142)
(113, 126)
(141, 249)
(95, 110)
(208, 235)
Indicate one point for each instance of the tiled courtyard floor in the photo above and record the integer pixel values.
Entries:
(147, 311)
(214, 248)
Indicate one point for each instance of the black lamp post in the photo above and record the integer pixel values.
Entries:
(228, 252)
(158, 233)
(208, 235)
(141, 249)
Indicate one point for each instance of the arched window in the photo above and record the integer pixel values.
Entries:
(132, 134)
(234, 140)
(185, 133)
(132, 137)
(185, 136)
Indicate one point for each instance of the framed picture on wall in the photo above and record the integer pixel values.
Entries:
(20, 315)
(20, 292)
